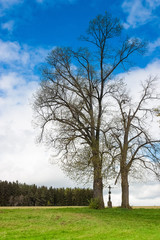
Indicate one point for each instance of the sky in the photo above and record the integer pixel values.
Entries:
(29, 29)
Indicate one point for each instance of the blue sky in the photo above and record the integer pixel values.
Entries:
(47, 23)
(29, 29)
(43, 24)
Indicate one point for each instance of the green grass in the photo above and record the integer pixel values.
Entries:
(79, 223)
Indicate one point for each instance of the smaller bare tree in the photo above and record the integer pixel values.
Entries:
(133, 146)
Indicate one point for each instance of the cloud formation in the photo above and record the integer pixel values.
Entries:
(152, 46)
(56, 1)
(8, 25)
(7, 4)
(22, 58)
(139, 12)
(20, 158)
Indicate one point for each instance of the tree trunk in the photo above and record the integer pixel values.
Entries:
(98, 187)
(125, 190)
(97, 181)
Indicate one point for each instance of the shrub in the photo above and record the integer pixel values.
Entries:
(94, 203)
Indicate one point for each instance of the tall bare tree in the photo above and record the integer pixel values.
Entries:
(133, 145)
(70, 103)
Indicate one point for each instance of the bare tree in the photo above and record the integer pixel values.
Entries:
(133, 146)
(70, 103)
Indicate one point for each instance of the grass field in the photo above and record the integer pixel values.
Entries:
(79, 223)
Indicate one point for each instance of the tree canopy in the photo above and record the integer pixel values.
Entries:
(71, 110)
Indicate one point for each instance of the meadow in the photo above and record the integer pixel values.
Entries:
(67, 223)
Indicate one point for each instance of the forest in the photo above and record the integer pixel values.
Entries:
(18, 194)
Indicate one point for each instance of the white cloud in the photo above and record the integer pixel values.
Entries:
(51, 2)
(152, 46)
(139, 12)
(153, 3)
(9, 81)
(137, 75)
(134, 79)
(15, 55)
(6, 4)
(12, 52)
(20, 158)
(145, 194)
(8, 25)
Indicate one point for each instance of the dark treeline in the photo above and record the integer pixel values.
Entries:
(17, 194)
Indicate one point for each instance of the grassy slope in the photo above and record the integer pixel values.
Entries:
(79, 223)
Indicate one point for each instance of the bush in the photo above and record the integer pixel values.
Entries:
(95, 203)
